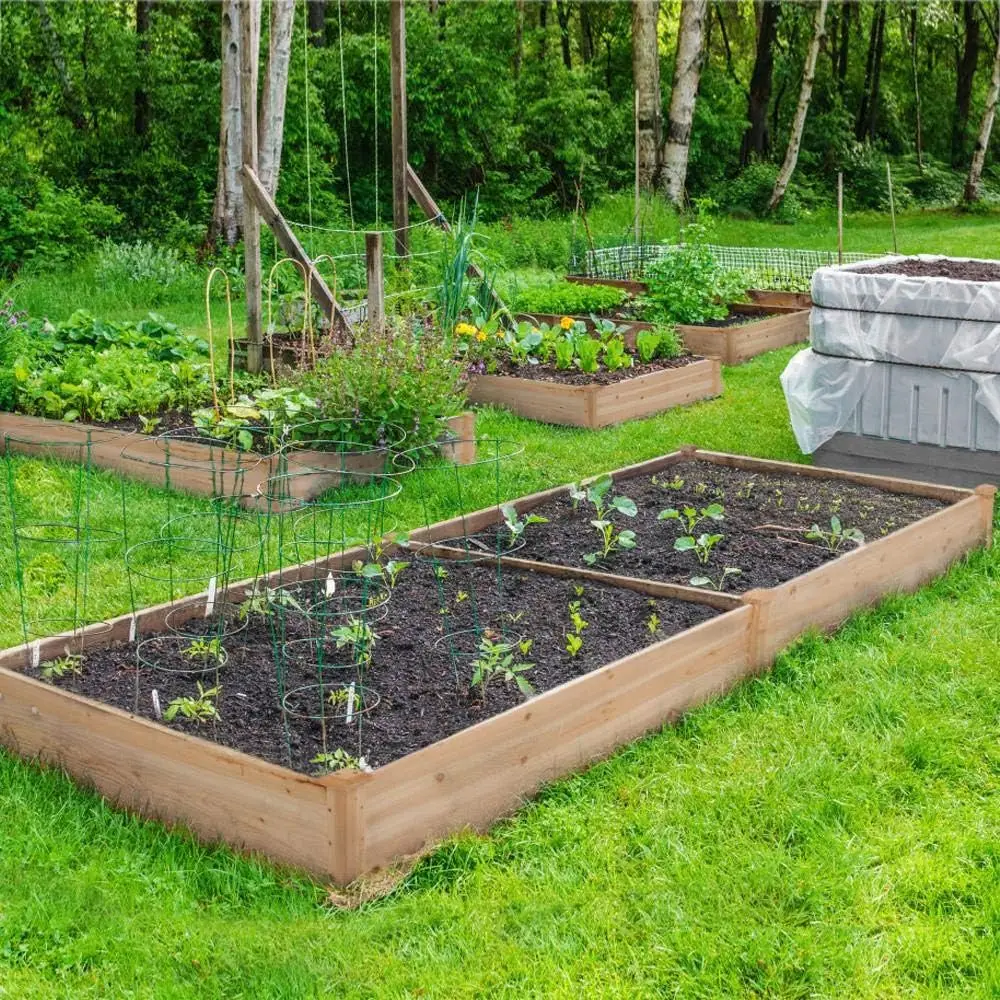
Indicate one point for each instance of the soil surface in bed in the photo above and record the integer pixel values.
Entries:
(961, 270)
(764, 524)
(549, 373)
(417, 689)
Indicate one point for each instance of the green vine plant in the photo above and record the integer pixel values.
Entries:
(516, 524)
(716, 583)
(200, 709)
(836, 536)
(597, 495)
(497, 661)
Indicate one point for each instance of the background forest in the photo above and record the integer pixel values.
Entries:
(110, 111)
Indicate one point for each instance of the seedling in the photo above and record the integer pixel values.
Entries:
(338, 760)
(496, 660)
(200, 709)
(516, 524)
(701, 546)
(615, 355)
(573, 643)
(587, 351)
(462, 595)
(68, 664)
(440, 572)
(836, 536)
(524, 645)
(653, 623)
(206, 651)
(388, 571)
(265, 602)
(149, 424)
(691, 518)
(718, 583)
(610, 539)
(578, 590)
(577, 620)
(744, 492)
(360, 636)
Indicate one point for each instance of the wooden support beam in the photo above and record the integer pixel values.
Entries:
(249, 51)
(400, 154)
(254, 192)
(376, 285)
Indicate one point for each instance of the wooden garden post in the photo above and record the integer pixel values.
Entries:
(376, 289)
(400, 205)
(249, 48)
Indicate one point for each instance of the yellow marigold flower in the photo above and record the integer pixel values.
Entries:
(566, 322)
(480, 335)
(465, 329)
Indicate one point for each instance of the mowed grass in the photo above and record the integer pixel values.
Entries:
(831, 829)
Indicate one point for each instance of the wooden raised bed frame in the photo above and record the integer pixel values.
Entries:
(346, 824)
(732, 345)
(204, 469)
(596, 406)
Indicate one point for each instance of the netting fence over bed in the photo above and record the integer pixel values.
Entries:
(762, 267)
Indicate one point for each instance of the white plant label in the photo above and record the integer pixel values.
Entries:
(156, 703)
(133, 626)
(331, 585)
(350, 703)
(36, 652)
(210, 601)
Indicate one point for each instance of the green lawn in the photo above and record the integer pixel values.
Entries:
(828, 830)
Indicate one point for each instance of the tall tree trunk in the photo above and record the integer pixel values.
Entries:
(543, 29)
(518, 38)
(756, 139)
(801, 110)
(562, 14)
(316, 21)
(586, 34)
(971, 192)
(964, 76)
(843, 50)
(912, 32)
(70, 96)
(727, 48)
(646, 79)
(683, 95)
(864, 127)
(140, 100)
(270, 132)
(227, 211)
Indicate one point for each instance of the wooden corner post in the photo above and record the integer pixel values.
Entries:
(400, 205)
(376, 287)
(249, 56)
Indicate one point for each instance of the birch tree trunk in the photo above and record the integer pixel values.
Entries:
(802, 109)
(971, 192)
(687, 73)
(227, 210)
(646, 78)
(272, 106)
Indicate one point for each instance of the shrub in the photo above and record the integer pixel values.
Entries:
(687, 285)
(569, 298)
(121, 263)
(405, 376)
(13, 343)
(749, 193)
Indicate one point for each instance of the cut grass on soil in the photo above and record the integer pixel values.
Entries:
(827, 830)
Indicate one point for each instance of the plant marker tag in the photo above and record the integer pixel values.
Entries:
(210, 600)
(331, 585)
(156, 703)
(350, 703)
(36, 652)
(132, 628)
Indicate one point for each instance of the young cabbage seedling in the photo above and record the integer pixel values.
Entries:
(836, 536)
(719, 582)
(701, 546)
(691, 518)
(496, 661)
(516, 524)
(597, 494)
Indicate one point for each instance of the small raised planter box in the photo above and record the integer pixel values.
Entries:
(207, 468)
(346, 824)
(600, 405)
(778, 326)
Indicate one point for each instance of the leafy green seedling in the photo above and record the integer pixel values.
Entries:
(836, 536)
(516, 524)
(691, 518)
(68, 664)
(574, 643)
(496, 661)
(719, 582)
(701, 546)
(200, 709)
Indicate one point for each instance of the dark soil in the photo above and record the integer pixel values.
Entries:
(763, 527)
(941, 267)
(549, 373)
(421, 677)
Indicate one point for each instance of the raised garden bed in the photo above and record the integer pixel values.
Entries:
(350, 822)
(208, 468)
(734, 341)
(598, 405)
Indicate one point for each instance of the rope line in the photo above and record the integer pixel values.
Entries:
(343, 105)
